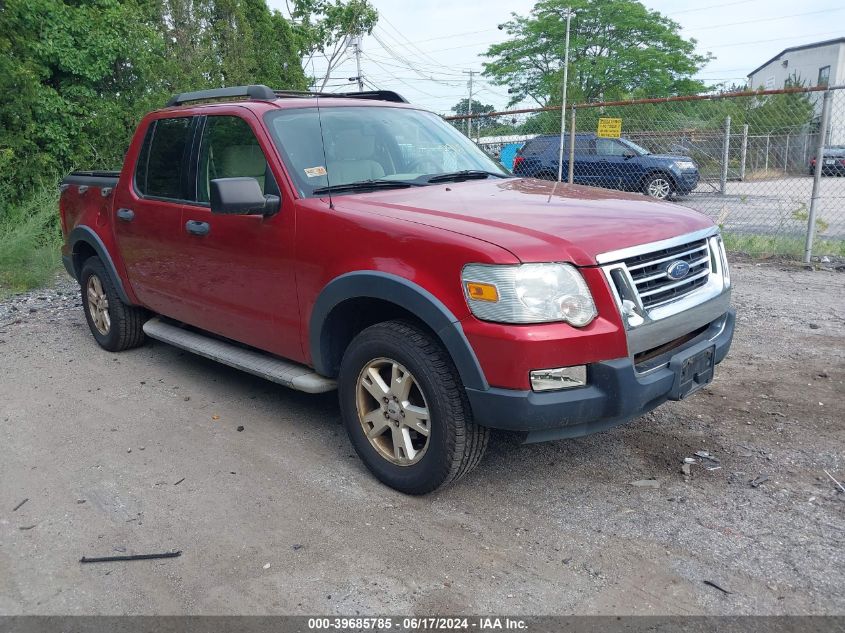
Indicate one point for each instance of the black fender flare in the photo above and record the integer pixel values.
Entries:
(406, 294)
(87, 235)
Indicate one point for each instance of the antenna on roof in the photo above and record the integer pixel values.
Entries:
(323, 145)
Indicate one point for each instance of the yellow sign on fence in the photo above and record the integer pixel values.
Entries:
(609, 128)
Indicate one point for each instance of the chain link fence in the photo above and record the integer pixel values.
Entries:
(767, 166)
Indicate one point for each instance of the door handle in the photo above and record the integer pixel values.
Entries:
(127, 215)
(195, 227)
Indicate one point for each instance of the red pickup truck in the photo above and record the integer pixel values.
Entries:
(358, 243)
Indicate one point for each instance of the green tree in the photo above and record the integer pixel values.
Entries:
(485, 124)
(462, 107)
(212, 43)
(773, 114)
(326, 28)
(72, 76)
(76, 77)
(618, 49)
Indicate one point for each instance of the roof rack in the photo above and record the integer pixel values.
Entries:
(375, 95)
(263, 93)
(253, 92)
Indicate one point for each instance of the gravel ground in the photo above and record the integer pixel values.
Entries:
(139, 452)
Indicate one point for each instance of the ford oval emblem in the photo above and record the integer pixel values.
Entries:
(677, 270)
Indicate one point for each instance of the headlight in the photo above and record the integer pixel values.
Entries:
(528, 293)
(685, 165)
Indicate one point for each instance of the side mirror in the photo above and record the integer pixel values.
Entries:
(629, 154)
(241, 196)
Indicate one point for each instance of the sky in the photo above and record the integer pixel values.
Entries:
(422, 48)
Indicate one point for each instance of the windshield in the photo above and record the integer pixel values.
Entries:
(371, 143)
(639, 149)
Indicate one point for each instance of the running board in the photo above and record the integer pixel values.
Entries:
(284, 372)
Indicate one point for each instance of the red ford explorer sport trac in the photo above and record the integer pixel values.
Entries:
(358, 243)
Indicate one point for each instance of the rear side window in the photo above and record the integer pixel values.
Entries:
(551, 145)
(537, 146)
(159, 172)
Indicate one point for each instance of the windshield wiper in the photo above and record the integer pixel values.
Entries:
(466, 174)
(365, 185)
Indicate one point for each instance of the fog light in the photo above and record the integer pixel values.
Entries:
(559, 378)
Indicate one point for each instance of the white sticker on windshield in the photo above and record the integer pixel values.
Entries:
(313, 172)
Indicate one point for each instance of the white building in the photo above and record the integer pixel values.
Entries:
(818, 64)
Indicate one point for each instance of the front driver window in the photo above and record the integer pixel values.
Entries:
(229, 149)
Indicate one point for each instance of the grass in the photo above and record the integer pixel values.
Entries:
(30, 242)
(780, 245)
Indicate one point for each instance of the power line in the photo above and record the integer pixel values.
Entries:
(402, 66)
(712, 6)
(713, 26)
(758, 20)
(774, 39)
(723, 70)
(453, 48)
(402, 82)
(431, 60)
(488, 43)
(450, 82)
(447, 37)
(404, 60)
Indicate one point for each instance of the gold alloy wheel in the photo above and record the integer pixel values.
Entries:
(98, 305)
(393, 412)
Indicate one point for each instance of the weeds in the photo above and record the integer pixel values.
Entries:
(765, 245)
(30, 242)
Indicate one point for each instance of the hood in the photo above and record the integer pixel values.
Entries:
(668, 157)
(536, 220)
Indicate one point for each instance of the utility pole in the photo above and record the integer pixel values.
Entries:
(471, 73)
(356, 48)
(569, 13)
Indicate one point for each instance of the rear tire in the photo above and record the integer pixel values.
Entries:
(405, 409)
(115, 325)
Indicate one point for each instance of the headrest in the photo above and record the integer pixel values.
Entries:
(244, 160)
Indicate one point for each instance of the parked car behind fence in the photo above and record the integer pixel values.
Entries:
(833, 161)
(610, 163)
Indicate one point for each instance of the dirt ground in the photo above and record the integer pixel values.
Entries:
(139, 452)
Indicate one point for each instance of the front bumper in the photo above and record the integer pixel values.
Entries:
(616, 393)
(833, 170)
(686, 181)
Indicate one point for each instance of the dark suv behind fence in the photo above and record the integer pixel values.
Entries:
(833, 161)
(610, 163)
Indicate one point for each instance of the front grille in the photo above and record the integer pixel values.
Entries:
(653, 284)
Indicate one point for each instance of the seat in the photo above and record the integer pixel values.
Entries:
(243, 160)
(352, 158)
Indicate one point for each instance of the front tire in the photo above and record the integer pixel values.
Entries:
(115, 325)
(405, 409)
(658, 186)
